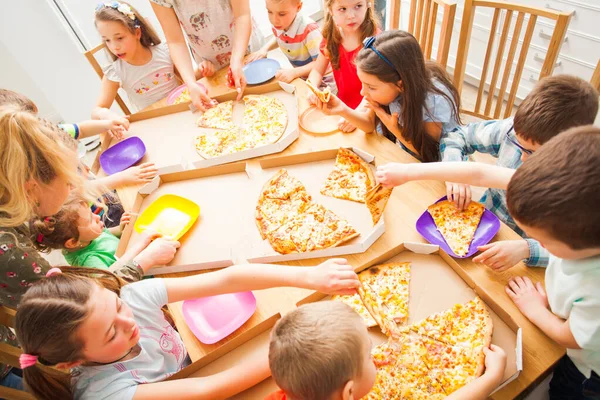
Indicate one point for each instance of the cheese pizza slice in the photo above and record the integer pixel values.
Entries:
(457, 227)
(358, 306)
(218, 117)
(376, 199)
(390, 283)
(350, 179)
(323, 95)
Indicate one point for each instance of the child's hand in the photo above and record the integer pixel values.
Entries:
(528, 298)
(392, 174)
(159, 252)
(125, 219)
(459, 193)
(143, 173)
(199, 98)
(495, 361)
(333, 107)
(257, 55)
(117, 126)
(334, 276)
(238, 78)
(286, 75)
(345, 126)
(389, 120)
(503, 255)
(206, 68)
(148, 235)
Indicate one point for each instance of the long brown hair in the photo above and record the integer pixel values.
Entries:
(49, 316)
(149, 37)
(333, 38)
(417, 76)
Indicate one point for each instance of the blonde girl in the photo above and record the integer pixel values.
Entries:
(117, 343)
(415, 102)
(347, 24)
(141, 63)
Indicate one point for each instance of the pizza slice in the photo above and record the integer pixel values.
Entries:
(391, 285)
(270, 214)
(282, 186)
(323, 95)
(453, 366)
(217, 143)
(376, 199)
(375, 307)
(467, 325)
(457, 227)
(218, 117)
(350, 179)
(358, 306)
(265, 119)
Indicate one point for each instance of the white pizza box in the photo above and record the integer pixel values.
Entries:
(169, 132)
(437, 283)
(227, 195)
(291, 133)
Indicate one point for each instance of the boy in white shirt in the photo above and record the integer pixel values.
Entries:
(554, 198)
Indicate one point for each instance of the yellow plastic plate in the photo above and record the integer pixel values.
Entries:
(170, 215)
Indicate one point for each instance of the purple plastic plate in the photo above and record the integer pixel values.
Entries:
(486, 230)
(122, 155)
(216, 317)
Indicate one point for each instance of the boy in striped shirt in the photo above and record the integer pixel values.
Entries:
(297, 35)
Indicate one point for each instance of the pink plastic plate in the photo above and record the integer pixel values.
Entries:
(216, 317)
(178, 90)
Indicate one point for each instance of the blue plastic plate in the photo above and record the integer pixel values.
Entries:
(260, 71)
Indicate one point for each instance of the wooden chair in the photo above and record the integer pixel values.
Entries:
(507, 10)
(422, 21)
(10, 355)
(596, 77)
(92, 60)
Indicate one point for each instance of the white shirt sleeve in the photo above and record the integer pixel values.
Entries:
(146, 294)
(113, 73)
(585, 324)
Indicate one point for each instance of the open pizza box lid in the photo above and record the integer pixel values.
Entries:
(169, 132)
(227, 196)
(448, 287)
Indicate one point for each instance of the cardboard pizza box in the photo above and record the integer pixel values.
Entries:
(438, 283)
(169, 132)
(227, 196)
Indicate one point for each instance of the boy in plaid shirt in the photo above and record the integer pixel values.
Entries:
(556, 103)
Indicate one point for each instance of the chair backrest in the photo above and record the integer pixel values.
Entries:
(596, 77)
(10, 355)
(422, 22)
(92, 60)
(505, 11)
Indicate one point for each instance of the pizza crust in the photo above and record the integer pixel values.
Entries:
(323, 95)
(376, 201)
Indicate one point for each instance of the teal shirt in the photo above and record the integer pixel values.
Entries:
(100, 253)
(573, 288)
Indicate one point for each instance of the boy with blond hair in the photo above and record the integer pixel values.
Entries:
(554, 198)
(556, 104)
(298, 37)
(322, 351)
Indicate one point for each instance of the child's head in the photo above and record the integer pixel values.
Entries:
(123, 29)
(322, 351)
(554, 195)
(37, 170)
(555, 104)
(24, 103)
(69, 319)
(73, 227)
(351, 17)
(283, 12)
(393, 65)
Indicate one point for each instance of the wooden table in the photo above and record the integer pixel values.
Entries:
(406, 204)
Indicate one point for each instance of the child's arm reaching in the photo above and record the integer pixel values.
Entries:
(362, 117)
(532, 301)
(96, 126)
(482, 387)
(142, 173)
(118, 230)
(476, 174)
(332, 276)
(251, 370)
(262, 52)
